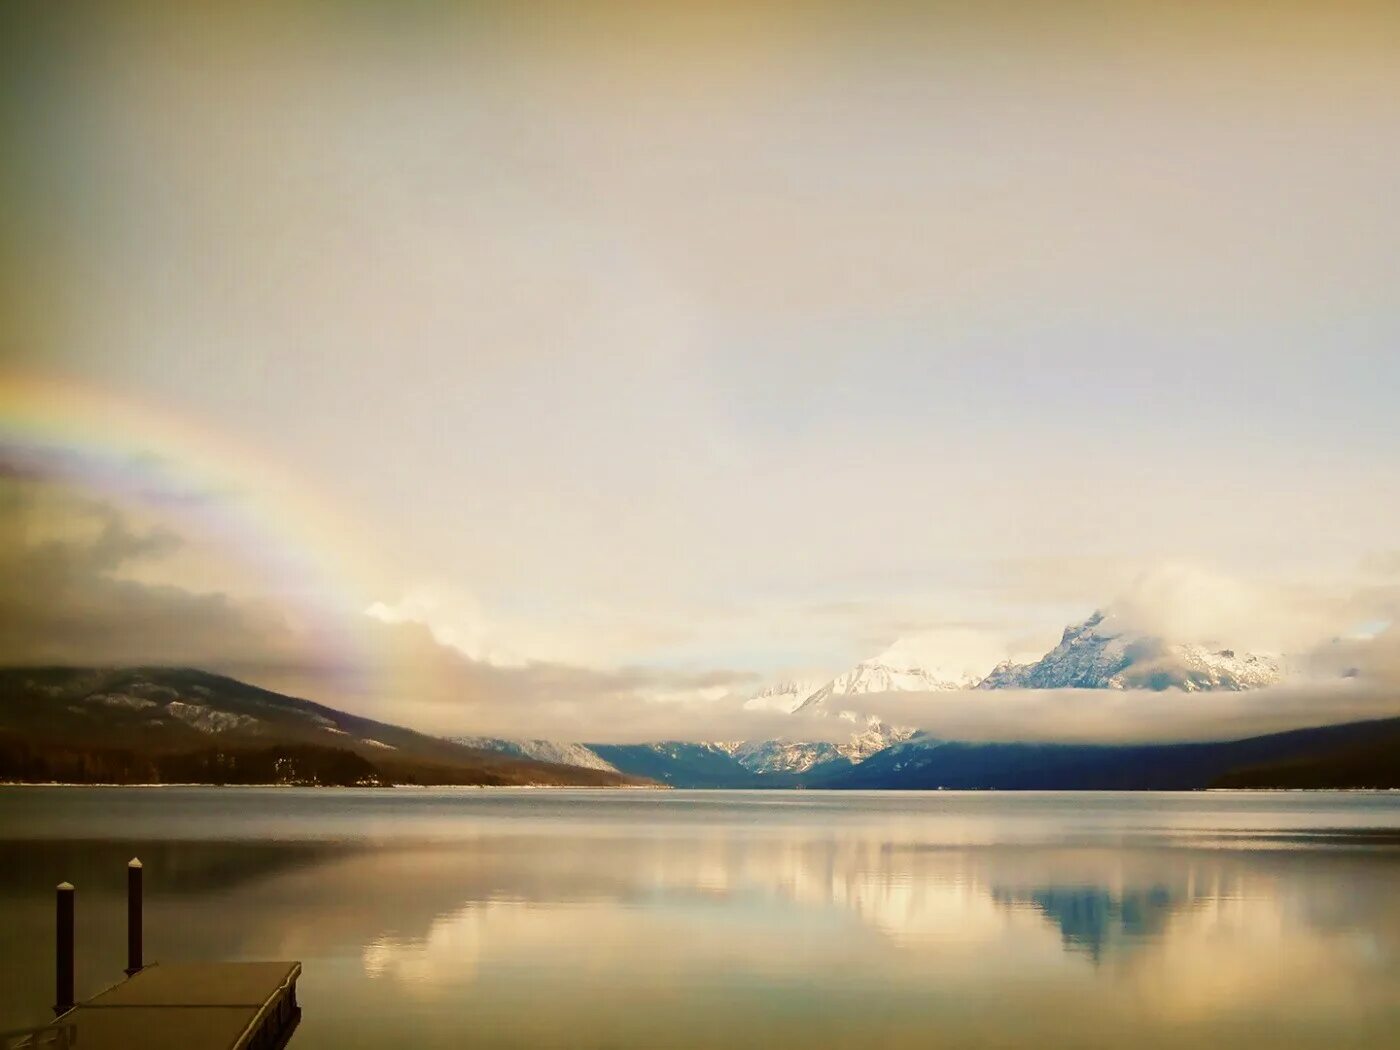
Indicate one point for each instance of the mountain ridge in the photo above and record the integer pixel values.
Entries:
(163, 725)
(1091, 654)
(142, 718)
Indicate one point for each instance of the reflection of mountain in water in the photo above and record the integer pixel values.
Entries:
(1094, 920)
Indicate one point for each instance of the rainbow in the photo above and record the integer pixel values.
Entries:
(239, 501)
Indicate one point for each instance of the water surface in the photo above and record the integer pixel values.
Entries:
(687, 919)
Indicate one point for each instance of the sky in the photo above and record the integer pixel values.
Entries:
(541, 369)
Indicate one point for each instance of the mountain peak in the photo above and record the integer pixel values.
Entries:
(877, 676)
(785, 696)
(1090, 658)
(1084, 630)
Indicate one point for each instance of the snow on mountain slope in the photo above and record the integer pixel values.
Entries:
(785, 756)
(874, 735)
(786, 696)
(870, 734)
(876, 676)
(1092, 655)
(564, 754)
(1195, 667)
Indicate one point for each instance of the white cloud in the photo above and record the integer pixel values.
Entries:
(886, 351)
(1189, 603)
(455, 620)
(955, 653)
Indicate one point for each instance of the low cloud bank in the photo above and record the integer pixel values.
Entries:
(1090, 716)
(68, 596)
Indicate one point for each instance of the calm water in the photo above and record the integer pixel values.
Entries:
(679, 919)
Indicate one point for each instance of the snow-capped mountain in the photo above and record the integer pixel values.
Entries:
(786, 696)
(870, 734)
(873, 735)
(1093, 655)
(798, 756)
(785, 756)
(564, 754)
(877, 676)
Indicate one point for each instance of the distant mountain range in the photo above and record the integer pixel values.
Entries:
(1091, 654)
(169, 725)
(1355, 755)
(163, 725)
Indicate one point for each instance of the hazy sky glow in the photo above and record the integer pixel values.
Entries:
(618, 358)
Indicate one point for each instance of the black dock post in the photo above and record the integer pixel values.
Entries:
(133, 917)
(64, 950)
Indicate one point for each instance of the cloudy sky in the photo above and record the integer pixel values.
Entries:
(544, 367)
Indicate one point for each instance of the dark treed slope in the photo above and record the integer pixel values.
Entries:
(1357, 755)
(1373, 761)
(167, 725)
(290, 764)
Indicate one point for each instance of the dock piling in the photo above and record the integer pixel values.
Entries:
(63, 950)
(133, 917)
(184, 1006)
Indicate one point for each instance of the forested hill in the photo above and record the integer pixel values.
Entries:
(1354, 755)
(180, 725)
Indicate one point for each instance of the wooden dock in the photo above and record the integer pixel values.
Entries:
(163, 1006)
(181, 1006)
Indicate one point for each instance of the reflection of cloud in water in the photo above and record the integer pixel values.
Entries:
(942, 904)
(771, 929)
(452, 942)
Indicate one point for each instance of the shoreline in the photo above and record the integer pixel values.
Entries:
(667, 787)
(345, 787)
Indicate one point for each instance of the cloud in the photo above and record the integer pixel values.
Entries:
(438, 688)
(927, 314)
(1382, 563)
(68, 597)
(454, 620)
(1188, 603)
(75, 589)
(64, 599)
(1344, 680)
(1372, 657)
(957, 652)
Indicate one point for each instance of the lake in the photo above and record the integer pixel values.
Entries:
(500, 918)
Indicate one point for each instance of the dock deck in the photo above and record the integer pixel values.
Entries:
(184, 1006)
